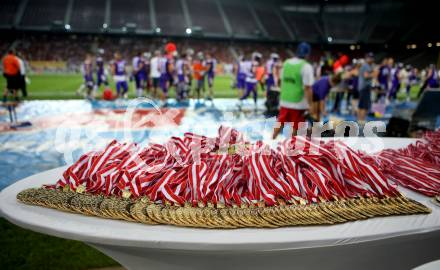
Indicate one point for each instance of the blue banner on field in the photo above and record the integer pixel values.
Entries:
(63, 130)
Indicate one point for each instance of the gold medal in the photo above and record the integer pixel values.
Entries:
(80, 189)
(294, 212)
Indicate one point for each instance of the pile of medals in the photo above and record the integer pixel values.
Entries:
(416, 166)
(226, 182)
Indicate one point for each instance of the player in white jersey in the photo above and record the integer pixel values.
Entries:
(155, 73)
(250, 69)
(272, 71)
(240, 75)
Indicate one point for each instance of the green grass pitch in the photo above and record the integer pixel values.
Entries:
(62, 86)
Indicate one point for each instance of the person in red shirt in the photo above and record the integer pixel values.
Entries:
(259, 75)
(199, 74)
(11, 71)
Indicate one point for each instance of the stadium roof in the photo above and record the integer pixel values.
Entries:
(322, 21)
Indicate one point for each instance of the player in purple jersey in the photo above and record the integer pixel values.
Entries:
(101, 73)
(395, 82)
(143, 73)
(321, 89)
(189, 60)
(240, 75)
(413, 79)
(433, 78)
(250, 69)
(352, 77)
(182, 72)
(163, 82)
(210, 65)
(384, 77)
(119, 72)
(140, 73)
(89, 83)
(431, 81)
(166, 67)
(272, 66)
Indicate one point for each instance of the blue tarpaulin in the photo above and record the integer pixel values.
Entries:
(52, 141)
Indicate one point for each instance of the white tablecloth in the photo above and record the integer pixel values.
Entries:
(119, 234)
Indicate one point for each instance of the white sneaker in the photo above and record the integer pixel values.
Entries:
(239, 104)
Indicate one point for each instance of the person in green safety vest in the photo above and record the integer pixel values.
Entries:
(296, 94)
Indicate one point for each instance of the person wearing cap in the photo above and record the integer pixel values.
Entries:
(296, 93)
(365, 80)
(11, 71)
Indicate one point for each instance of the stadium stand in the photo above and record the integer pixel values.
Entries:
(42, 13)
(384, 25)
(343, 22)
(271, 22)
(280, 20)
(342, 26)
(168, 13)
(88, 15)
(130, 11)
(206, 15)
(8, 9)
(305, 26)
(241, 19)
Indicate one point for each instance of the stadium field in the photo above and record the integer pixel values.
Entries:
(64, 86)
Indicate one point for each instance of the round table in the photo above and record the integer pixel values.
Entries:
(397, 242)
